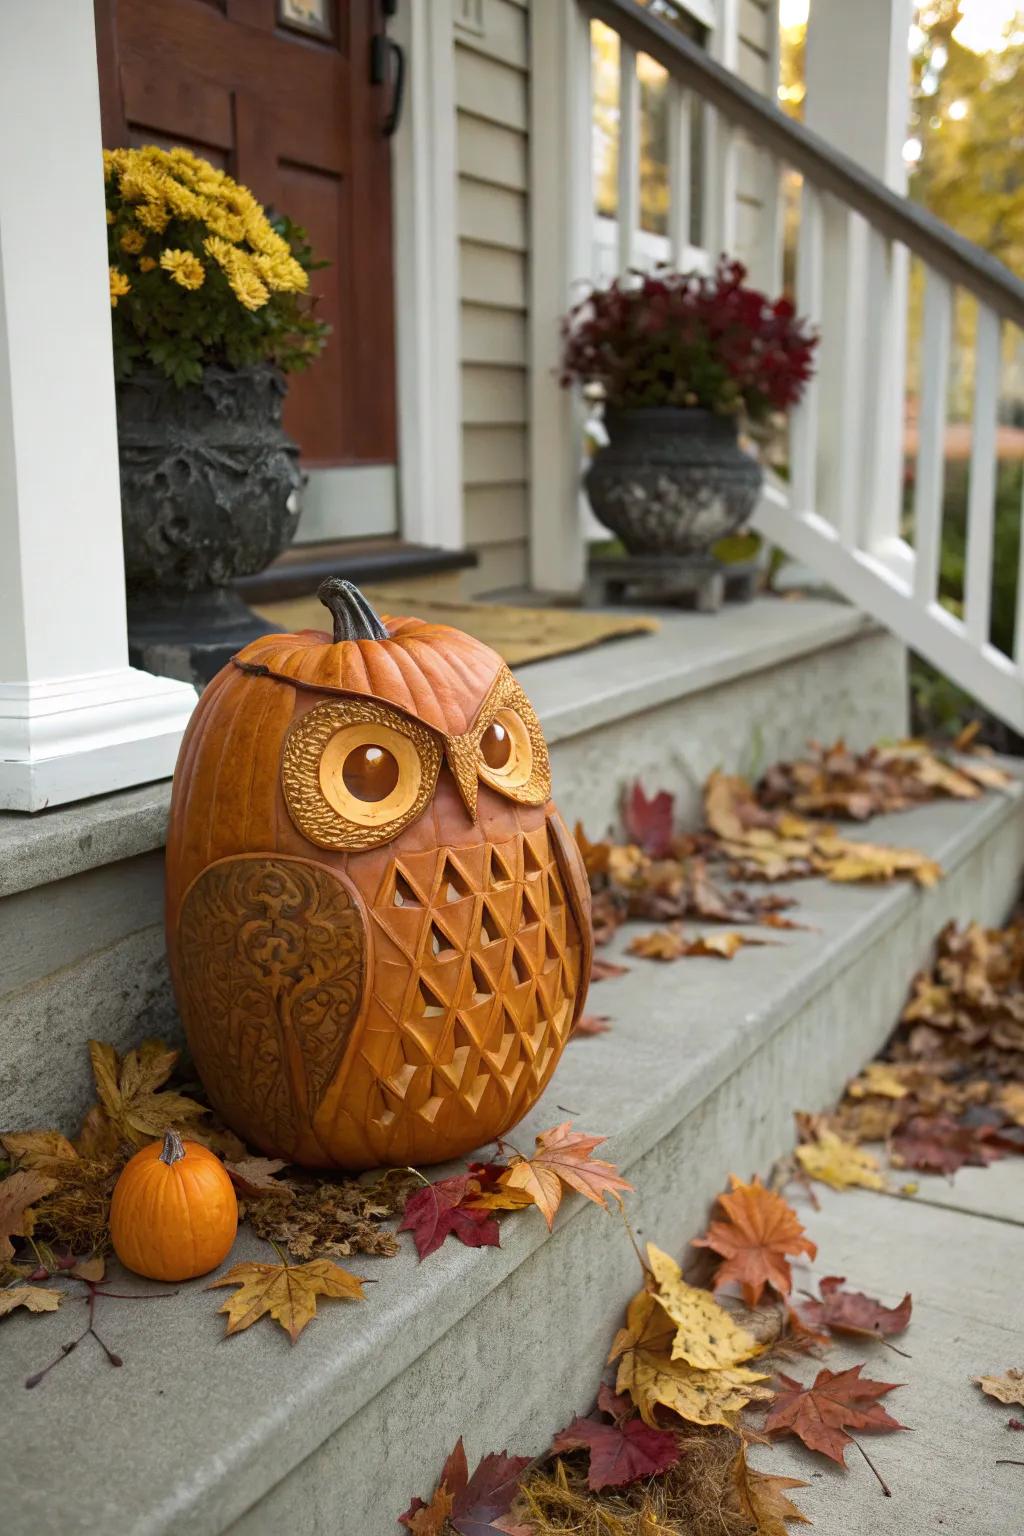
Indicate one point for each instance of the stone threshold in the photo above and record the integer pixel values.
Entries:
(200, 1434)
(573, 695)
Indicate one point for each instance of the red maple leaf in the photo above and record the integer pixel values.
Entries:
(938, 1144)
(436, 1210)
(760, 1231)
(475, 1505)
(853, 1312)
(821, 1415)
(648, 823)
(621, 1452)
(590, 1024)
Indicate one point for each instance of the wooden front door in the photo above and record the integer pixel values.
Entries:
(278, 93)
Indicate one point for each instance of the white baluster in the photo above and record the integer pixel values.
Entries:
(629, 156)
(841, 468)
(810, 294)
(981, 493)
(931, 436)
(882, 427)
(771, 232)
(720, 182)
(679, 124)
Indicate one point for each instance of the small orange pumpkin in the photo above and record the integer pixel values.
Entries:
(174, 1214)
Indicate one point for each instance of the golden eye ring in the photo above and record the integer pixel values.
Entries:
(505, 752)
(327, 774)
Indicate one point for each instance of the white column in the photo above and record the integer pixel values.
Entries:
(858, 88)
(561, 221)
(75, 719)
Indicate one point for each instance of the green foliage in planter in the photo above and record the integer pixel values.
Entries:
(200, 275)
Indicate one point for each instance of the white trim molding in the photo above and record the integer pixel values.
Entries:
(426, 259)
(103, 726)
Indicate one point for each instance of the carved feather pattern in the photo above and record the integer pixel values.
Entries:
(272, 958)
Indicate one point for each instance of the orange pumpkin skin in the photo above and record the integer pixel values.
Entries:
(174, 1214)
(364, 1007)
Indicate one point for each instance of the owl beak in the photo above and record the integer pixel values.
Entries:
(461, 756)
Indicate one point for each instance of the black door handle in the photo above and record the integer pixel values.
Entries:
(383, 51)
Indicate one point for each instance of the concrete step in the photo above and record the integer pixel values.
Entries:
(81, 887)
(963, 1266)
(700, 1075)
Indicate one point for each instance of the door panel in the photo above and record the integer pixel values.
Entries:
(278, 93)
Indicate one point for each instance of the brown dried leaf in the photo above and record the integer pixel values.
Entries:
(18, 1194)
(34, 1298)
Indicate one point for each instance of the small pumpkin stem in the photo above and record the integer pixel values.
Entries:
(174, 1149)
(353, 617)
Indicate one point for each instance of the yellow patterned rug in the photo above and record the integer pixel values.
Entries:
(519, 635)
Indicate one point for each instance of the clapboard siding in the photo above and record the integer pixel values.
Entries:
(492, 95)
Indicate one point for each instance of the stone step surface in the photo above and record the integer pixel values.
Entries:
(81, 887)
(702, 1070)
(962, 1263)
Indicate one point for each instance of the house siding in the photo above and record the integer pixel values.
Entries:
(492, 106)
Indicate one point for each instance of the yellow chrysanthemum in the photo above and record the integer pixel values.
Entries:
(110, 216)
(282, 274)
(185, 268)
(146, 264)
(154, 216)
(119, 286)
(264, 239)
(222, 253)
(133, 241)
(140, 184)
(247, 286)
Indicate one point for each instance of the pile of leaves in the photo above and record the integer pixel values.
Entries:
(665, 1450)
(948, 1088)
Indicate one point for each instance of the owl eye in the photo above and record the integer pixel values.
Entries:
(506, 752)
(370, 774)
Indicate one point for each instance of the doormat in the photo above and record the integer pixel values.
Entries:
(520, 635)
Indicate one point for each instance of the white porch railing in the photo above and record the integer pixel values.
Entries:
(841, 510)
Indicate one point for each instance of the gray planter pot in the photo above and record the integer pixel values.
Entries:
(671, 481)
(209, 479)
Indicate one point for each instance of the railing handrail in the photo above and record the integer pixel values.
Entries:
(896, 217)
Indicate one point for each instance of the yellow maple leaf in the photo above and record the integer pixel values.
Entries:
(18, 1193)
(761, 1498)
(128, 1091)
(1007, 1388)
(33, 1297)
(286, 1292)
(839, 1164)
(653, 1379)
(1010, 1099)
(879, 1079)
(706, 1336)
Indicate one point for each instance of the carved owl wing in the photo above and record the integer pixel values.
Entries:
(577, 890)
(271, 958)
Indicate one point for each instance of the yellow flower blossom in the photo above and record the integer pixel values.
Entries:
(282, 274)
(133, 241)
(154, 217)
(246, 284)
(146, 264)
(119, 286)
(110, 216)
(185, 268)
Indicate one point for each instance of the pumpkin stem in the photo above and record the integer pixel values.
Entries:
(174, 1149)
(353, 617)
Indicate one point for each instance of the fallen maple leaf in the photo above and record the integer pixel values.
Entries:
(821, 1415)
(562, 1160)
(1007, 1388)
(706, 1336)
(18, 1193)
(1011, 1100)
(253, 1177)
(473, 1505)
(34, 1298)
(590, 1024)
(670, 944)
(881, 1079)
(606, 970)
(438, 1209)
(760, 1231)
(128, 1091)
(852, 1312)
(287, 1292)
(938, 1144)
(761, 1497)
(653, 1379)
(648, 822)
(619, 1453)
(839, 1164)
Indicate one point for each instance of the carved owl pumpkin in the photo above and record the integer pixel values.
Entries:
(378, 924)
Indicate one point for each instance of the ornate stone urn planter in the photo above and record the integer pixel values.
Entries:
(209, 480)
(671, 480)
